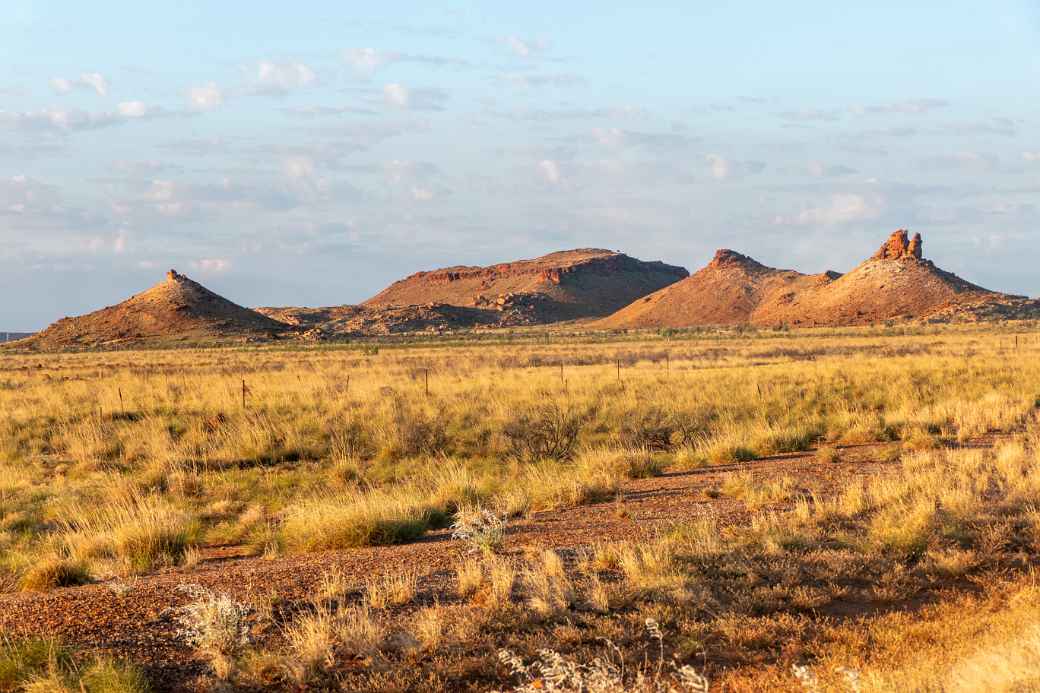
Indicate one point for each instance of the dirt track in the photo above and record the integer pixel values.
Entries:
(132, 619)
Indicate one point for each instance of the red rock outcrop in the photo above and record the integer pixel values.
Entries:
(898, 247)
(567, 285)
(896, 283)
(177, 310)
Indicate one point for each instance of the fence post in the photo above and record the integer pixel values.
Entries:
(243, 393)
(427, 381)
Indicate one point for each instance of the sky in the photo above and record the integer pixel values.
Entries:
(310, 153)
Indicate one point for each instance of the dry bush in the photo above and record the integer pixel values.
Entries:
(408, 431)
(44, 666)
(828, 454)
(548, 432)
(311, 641)
(215, 625)
(481, 528)
(650, 572)
(429, 626)
(609, 674)
(358, 631)
(391, 589)
(54, 572)
(653, 429)
(469, 576)
(548, 589)
(497, 594)
(350, 519)
(132, 533)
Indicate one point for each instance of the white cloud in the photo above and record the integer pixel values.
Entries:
(722, 168)
(405, 98)
(20, 194)
(93, 81)
(205, 97)
(396, 95)
(617, 138)
(908, 107)
(422, 194)
(366, 61)
(212, 265)
(819, 169)
(608, 137)
(811, 115)
(550, 171)
(1031, 156)
(398, 171)
(132, 109)
(559, 79)
(281, 78)
(524, 48)
(56, 120)
(299, 168)
(962, 161)
(185, 200)
(842, 208)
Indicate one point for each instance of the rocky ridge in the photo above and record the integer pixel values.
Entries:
(895, 283)
(582, 283)
(175, 310)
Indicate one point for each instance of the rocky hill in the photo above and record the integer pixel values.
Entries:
(175, 310)
(566, 285)
(896, 283)
(358, 321)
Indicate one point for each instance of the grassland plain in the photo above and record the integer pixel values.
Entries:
(793, 510)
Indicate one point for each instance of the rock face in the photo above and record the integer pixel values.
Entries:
(896, 283)
(898, 247)
(567, 285)
(729, 290)
(342, 322)
(175, 310)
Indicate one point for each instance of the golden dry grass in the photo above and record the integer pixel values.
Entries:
(123, 463)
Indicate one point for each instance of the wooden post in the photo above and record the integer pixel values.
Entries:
(348, 385)
(619, 370)
(243, 393)
(122, 408)
(427, 382)
(561, 371)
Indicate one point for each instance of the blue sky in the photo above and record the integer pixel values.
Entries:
(309, 153)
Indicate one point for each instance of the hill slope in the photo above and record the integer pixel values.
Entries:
(572, 284)
(730, 290)
(177, 309)
(895, 283)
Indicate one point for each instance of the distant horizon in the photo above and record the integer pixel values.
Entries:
(311, 157)
(692, 270)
